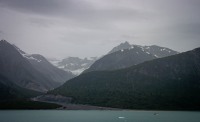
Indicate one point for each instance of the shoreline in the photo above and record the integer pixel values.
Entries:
(70, 106)
(67, 106)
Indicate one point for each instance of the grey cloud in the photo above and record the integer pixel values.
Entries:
(33, 6)
(72, 9)
(81, 13)
(47, 7)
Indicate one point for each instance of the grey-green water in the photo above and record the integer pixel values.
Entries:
(97, 116)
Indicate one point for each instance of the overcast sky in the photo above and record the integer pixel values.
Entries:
(85, 28)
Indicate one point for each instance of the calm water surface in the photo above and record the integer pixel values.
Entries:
(97, 116)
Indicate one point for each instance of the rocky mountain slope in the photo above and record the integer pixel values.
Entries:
(28, 71)
(10, 91)
(40, 63)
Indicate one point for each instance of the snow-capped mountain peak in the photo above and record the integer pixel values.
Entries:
(155, 50)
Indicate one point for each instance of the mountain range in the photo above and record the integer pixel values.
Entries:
(129, 77)
(121, 56)
(32, 72)
(171, 82)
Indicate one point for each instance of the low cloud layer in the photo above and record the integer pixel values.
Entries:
(85, 28)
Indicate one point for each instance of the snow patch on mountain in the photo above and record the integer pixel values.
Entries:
(74, 65)
(27, 56)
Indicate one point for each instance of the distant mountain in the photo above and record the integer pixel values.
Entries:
(126, 55)
(171, 82)
(74, 64)
(26, 71)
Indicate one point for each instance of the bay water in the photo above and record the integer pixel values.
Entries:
(97, 116)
